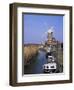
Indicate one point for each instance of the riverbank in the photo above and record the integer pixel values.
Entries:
(30, 51)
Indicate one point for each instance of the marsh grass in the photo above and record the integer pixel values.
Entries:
(30, 51)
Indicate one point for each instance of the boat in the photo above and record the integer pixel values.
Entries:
(50, 66)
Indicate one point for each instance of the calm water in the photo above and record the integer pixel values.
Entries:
(36, 64)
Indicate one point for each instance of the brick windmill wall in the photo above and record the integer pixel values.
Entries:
(50, 38)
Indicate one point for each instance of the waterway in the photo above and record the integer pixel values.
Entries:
(36, 64)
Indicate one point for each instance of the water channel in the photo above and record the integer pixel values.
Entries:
(36, 64)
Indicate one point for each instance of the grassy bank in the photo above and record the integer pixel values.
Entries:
(30, 51)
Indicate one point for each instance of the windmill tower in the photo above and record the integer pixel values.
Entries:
(51, 41)
(50, 35)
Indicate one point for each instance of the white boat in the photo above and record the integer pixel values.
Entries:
(50, 59)
(49, 67)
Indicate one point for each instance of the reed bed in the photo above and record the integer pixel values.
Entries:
(30, 51)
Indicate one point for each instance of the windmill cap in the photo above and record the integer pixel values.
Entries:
(50, 31)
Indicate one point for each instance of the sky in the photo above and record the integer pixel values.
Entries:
(35, 26)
